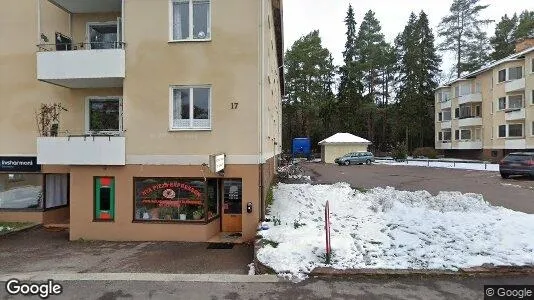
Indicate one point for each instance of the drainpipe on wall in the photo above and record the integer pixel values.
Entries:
(260, 119)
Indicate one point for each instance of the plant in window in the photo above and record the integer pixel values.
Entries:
(47, 118)
(199, 213)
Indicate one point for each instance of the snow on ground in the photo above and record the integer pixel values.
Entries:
(251, 269)
(441, 164)
(387, 228)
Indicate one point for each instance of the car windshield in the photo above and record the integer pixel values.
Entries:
(517, 157)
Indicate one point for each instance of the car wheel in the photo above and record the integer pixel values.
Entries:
(505, 176)
(347, 163)
(368, 162)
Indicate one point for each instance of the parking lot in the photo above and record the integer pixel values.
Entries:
(515, 193)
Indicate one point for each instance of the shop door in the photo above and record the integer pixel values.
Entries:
(231, 206)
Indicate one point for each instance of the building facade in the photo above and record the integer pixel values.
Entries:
(140, 119)
(490, 112)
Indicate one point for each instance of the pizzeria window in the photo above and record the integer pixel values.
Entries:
(176, 199)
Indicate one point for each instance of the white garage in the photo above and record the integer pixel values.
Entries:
(340, 144)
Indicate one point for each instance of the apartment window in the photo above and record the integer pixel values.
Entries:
(457, 113)
(502, 103)
(515, 73)
(515, 130)
(515, 101)
(104, 198)
(446, 115)
(532, 129)
(103, 115)
(478, 111)
(446, 96)
(532, 97)
(465, 134)
(478, 87)
(440, 136)
(478, 134)
(457, 91)
(465, 111)
(502, 75)
(440, 117)
(446, 135)
(532, 66)
(191, 108)
(190, 20)
(502, 131)
(457, 134)
(465, 89)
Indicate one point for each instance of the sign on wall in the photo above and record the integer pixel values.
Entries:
(217, 162)
(19, 164)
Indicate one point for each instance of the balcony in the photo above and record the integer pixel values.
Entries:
(446, 125)
(515, 85)
(469, 98)
(519, 143)
(82, 150)
(81, 67)
(85, 7)
(470, 121)
(469, 145)
(445, 104)
(443, 145)
(515, 114)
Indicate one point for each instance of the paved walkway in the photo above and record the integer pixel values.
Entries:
(39, 250)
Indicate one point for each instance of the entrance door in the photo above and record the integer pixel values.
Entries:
(232, 205)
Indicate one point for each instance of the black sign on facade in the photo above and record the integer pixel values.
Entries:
(19, 164)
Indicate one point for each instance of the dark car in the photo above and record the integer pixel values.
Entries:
(517, 163)
(355, 158)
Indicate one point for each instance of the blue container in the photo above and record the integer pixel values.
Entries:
(301, 147)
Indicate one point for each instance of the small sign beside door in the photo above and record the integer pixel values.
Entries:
(19, 164)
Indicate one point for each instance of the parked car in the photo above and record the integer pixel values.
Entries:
(355, 158)
(517, 163)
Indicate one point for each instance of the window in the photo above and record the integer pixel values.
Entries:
(457, 113)
(104, 115)
(502, 131)
(502, 103)
(56, 190)
(21, 191)
(478, 134)
(465, 134)
(457, 134)
(440, 136)
(478, 112)
(439, 96)
(446, 115)
(515, 130)
(532, 129)
(478, 88)
(465, 111)
(191, 108)
(532, 98)
(440, 117)
(446, 135)
(515, 101)
(190, 20)
(457, 91)
(502, 75)
(465, 89)
(104, 198)
(515, 73)
(446, 96)
(175, 199)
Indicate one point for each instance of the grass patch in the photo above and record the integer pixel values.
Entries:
(269, 242)
(6, 227)
(361, 189)
(270, 196)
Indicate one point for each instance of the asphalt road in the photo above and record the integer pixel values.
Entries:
(407, 288)
(515, 193)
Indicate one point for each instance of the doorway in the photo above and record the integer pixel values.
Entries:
(103, 35)
(232, 205)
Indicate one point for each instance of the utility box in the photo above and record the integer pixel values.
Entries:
(301, 147)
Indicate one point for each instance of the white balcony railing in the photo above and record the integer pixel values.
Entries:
(446, 125)
(469, 98)
(445, 104)
(515, 114)
(82, 67)
(516, 143)
(515, 85)
(469, 145)
(473, 121)
(81, 150)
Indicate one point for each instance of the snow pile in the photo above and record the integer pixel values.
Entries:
(442, 164)
(386, 228)
(300, 176)
(343, 137)
(251, 269)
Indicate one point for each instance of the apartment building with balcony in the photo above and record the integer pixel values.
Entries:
(169, 115)
(490, 112)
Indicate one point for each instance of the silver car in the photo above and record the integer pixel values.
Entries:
(353, 158)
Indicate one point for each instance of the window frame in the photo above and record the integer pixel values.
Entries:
(87, 109)
(191, 104)
(499, 131)
(499, 103)
(515, 108)
(191, 23)
(112, 200)
(516, 67)
(470, 135)
(505, 75)
(532, 128)
(515, 137)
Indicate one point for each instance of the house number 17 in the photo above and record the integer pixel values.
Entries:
(233, 105)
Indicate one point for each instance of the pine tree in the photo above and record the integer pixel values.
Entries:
(525, 28)
(462, 33)
(505, 35)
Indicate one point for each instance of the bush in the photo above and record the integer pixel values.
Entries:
(426, 152)
(400, 152)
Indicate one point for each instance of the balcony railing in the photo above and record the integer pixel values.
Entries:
(81, 46)
(469, 121)
(513, 114)
(515, 85)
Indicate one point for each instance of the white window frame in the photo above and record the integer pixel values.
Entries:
(508, 73)
(191, 105)
(499, 102)
(88, 35)
(508, 102)
(470, 135)
(505, 75)
(191, 22)
(443, 134)
(515, 137)
(505, 131)
(86, 109)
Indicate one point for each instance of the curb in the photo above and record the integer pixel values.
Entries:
(21, 229)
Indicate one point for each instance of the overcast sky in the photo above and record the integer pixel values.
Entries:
(304, 16)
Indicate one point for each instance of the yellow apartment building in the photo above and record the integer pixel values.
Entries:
(490, 112)
(140, 120)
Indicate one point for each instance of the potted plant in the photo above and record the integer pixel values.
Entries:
(48, 118)
(198, 214)
(165, 213)
(183, 213)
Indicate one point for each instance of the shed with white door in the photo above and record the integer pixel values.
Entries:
(340, 144)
